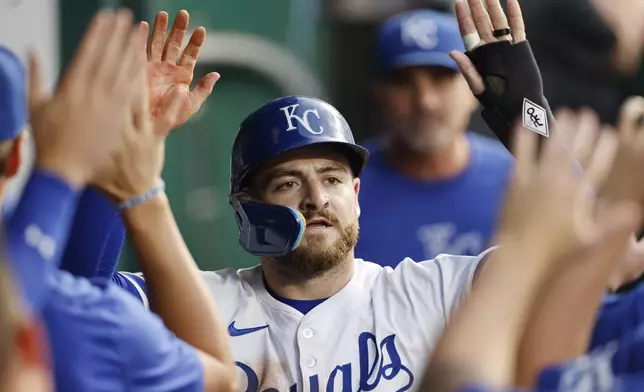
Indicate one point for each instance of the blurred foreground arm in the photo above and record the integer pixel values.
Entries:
(546, 216)
(581, 281)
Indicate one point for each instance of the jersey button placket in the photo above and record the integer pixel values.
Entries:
(308, 333)
(307, 347)
(310, 362)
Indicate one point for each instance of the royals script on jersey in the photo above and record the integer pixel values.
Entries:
(374, 334)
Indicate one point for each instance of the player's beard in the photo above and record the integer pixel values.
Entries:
(314, 257)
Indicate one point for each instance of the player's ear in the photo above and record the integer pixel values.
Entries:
(31, 343)
(32, 353)
(356, 187)
(15, 156)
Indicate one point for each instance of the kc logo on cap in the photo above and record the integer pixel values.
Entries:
(420, 31)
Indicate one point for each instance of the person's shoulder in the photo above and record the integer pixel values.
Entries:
(96, 328)
(155, 357)
(491, 162)
(488, 146)
(231, 277)
(443, 267)
(233, 288)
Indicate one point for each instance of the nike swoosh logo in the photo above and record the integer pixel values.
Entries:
(232, 331)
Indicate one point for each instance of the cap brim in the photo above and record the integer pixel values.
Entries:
(422, 59)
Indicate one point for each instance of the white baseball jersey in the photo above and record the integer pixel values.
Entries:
(374, 334)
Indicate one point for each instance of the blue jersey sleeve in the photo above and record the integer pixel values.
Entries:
(133, 284)
(618, 317)
(37, 231)
(96, 237)
(613, 364)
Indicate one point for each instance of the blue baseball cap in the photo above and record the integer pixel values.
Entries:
(418, 38)
(13, 95)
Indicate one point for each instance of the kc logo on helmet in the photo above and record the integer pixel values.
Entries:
(419, 31)
(289, 113)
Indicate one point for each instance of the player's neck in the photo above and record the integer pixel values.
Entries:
(435, 165)
(319, 287)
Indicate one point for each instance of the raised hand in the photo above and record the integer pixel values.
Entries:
(550, 202)
(171, 70)
(624, 181)
(478, 27)
(77, 128)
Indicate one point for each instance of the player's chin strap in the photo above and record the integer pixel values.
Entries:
(268, 229)
(513, 89)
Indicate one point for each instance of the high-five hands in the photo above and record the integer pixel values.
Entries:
(477, 28)
(625, 183)
(164, 103)
(78, 127)
(551, 204)
(171, 71)
(500, 68)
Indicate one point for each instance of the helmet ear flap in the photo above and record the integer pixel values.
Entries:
(268, 229)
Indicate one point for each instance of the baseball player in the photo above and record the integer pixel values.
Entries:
(84, 133)
(443, 185)
(294, 189)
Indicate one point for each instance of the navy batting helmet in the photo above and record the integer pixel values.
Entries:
(282, 125)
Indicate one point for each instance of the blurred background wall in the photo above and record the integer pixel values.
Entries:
(263, 49)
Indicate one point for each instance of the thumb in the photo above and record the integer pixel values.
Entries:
(471, 75)
(36, 89)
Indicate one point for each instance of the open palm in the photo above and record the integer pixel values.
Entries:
(170, 69)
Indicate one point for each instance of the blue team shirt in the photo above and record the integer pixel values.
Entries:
(402, 217)
(615, 366)
(101, 338)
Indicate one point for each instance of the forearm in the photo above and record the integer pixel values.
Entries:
(39, 226)
(177, 292)
(36, 233)
(485, 333)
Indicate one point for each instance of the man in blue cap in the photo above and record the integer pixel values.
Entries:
(442, 184)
